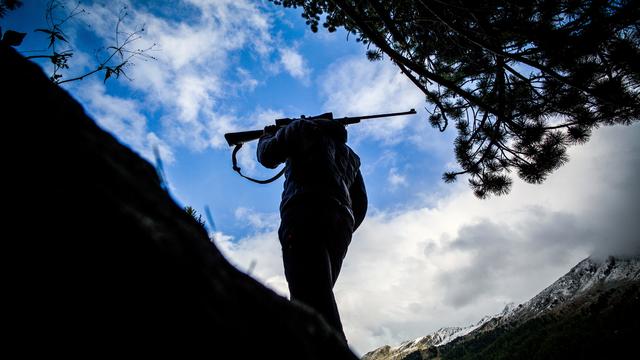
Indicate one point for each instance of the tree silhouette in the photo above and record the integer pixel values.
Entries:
(194, 214)
(7, 5)
(521, 80)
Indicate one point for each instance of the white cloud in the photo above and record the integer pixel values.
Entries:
(358, 86)
(264, 117)
(396, 179)
(247, 159)
(294, 64)
(197, 66)
(123, 117)
(258, 255)
(247, 82)
(257, 220)
(355, 86)
(387, 158)
(413, 271)
(194, 92)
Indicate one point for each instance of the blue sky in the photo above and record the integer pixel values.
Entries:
(429, 254)
(291, 78)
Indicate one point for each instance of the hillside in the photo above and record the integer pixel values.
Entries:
(591, 312)
(103, 261)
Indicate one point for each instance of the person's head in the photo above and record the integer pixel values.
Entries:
(331, 128)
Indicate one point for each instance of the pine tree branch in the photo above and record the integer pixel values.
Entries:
(388, 22)
(475, 153)
(523, 78)
(543, 68)
(81, 77)
(38, 57)
(561, 126)
(399, 58)
(480, 126)
(512, 152)
(431, 97)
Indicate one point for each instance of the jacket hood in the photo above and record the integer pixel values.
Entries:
(332, 128)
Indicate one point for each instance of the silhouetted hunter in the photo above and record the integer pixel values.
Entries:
(323, 202)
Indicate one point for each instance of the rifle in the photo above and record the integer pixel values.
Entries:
(237, 139)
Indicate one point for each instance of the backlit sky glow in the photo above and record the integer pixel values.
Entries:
(428, 255)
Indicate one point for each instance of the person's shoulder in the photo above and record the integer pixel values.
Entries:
(353, 155)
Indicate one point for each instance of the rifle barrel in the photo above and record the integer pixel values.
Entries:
(245, 136)
(410, 112)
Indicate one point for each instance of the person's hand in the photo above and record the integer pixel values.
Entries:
(270, 130)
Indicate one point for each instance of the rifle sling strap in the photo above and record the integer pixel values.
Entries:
(236, 168)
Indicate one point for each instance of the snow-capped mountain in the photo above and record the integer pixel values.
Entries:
(437, 338)
(583, 277)
(588, 275)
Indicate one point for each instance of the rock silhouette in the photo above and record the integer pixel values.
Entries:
(103, 260)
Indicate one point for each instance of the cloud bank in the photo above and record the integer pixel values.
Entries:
(411, 272)
(200, 47)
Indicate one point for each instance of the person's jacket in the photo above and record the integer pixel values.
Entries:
(318, 164)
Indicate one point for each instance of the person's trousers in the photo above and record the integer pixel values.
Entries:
(315, 236)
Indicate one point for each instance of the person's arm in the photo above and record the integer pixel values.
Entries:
(271, 150)
(359, 202)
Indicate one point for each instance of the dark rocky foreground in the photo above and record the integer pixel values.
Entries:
(102, 260)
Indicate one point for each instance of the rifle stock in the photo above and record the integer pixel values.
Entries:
(237, 138)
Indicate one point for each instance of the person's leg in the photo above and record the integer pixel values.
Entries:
(338, 240)
(308, 271)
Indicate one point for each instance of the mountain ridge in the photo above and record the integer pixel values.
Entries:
(572, 289)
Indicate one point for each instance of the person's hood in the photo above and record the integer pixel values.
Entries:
(332, 128)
